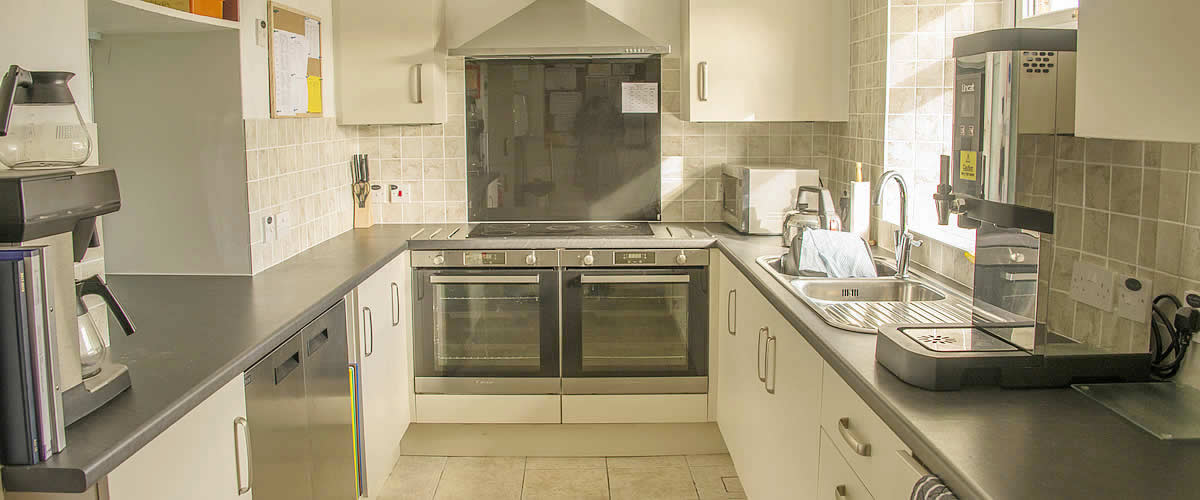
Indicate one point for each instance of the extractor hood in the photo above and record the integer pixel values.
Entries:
(560, 28)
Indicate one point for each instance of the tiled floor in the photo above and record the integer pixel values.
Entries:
(695, 477)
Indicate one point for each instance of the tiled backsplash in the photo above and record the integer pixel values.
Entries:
(300, 167)
(1132, 207)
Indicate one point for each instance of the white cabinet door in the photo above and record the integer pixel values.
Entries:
(390, 61)
(793, 410)
(203, 456)
(383, 364)
(729, 396)
(765, 60)
(837, 479)
(1136, 78)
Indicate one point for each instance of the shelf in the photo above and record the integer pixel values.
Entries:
(126, 17)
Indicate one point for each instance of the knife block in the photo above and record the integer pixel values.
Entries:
(362, 216)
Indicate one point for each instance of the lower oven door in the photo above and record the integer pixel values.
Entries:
(486, 331)
(635, 331)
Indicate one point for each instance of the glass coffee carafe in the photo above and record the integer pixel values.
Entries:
(40, 127)
(92, 350)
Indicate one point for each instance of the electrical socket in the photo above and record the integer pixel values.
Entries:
(284, 221)
(1092, 285)
(395, 193)
(1134, 304)
(270, 228)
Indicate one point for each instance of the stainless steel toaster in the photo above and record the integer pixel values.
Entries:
(757, 196)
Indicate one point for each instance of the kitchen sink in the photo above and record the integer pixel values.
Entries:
(867, 290)
(865, 304)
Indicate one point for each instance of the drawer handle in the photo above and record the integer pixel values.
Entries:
(731, 317)
(839, 493)
(762, 353)
(858, 446)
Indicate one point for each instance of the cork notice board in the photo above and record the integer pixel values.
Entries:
(294, 59)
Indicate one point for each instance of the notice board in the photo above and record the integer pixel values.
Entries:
(294, 59)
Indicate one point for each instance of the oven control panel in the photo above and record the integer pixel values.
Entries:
(640, 258)
(485, 258)
(635, 258)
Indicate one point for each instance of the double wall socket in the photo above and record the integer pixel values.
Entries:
(276, 226)
(1092, 285)
(1133, 298)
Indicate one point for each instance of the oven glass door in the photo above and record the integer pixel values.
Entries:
(486, 323)
(635, 323)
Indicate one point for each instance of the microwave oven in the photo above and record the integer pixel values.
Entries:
(756, 197)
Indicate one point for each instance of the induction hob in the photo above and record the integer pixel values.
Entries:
(549, 229)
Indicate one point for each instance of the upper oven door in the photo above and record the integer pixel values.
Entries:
(486, 323)
(636, 323)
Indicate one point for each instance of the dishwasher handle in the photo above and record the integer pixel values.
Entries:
(287, 367)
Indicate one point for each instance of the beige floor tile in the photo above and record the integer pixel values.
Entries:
(565, 484)
(565, 463)
(717, 482)
(659, 483)
(413, 478)
(471, 478)
(709, 460)
(643, 462)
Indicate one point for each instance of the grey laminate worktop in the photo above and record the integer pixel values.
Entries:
(196, 333)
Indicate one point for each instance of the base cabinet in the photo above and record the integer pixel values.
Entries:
(203, 456)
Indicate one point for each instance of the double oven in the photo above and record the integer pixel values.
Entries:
(561, 321)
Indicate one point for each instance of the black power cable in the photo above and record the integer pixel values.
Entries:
(1167, 357)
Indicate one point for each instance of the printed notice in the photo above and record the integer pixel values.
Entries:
(966, 166)
(290, 54)
(312, 34)
(639, 97)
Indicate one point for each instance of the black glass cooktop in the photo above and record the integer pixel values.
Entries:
(517, 230)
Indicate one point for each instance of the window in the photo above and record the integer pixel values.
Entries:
(1034, 8)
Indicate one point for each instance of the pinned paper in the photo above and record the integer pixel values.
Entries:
(314, 94)
(312, 34)
(639, 97)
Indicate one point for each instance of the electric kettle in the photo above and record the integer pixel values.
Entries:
(40, 126)
(802, 216)
(92, 351)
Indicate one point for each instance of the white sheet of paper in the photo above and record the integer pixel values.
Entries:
(639, 97)
(282, 78)
(312, 33)
(565, 103)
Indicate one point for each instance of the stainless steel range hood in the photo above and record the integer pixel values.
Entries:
(560, 28)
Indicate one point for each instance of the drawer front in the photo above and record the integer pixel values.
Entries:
(835, 479)
(866, 442)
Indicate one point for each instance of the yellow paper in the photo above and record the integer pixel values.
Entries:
(966, 166)
(314, 94)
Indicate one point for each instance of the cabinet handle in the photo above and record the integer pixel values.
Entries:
(420, 89)
(773, 347)
(762, 352)
(839, 493)
(395, 304)
(369, 319)
(703, 81)
(731, 310)
(859, 447)
(241, 423)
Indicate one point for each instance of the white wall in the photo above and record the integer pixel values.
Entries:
(255, 80)
(658, 19)
(45, 35)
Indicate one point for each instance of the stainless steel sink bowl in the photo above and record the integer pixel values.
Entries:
(867, 290)
(864, 304)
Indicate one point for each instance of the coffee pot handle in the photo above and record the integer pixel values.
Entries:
(96, 286)
(16, 77)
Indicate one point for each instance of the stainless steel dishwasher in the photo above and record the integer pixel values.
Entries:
(298, 406)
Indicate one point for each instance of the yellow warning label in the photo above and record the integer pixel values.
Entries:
(966, 166)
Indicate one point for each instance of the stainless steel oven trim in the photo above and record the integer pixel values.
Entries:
(635, 385)
(643, 278)
(488, 385)
(484, 280)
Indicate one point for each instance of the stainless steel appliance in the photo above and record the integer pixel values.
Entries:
(573, 229)
(635, 321)
(758, 197)
(486, 322)
(55, 211)
(300, 414)
(620, 321)
(803, 215)
(1012, 86)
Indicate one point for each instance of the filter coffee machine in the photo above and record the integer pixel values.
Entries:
(54, 212)
(1014, 88)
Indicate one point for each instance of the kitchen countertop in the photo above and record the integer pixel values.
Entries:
(983, 442)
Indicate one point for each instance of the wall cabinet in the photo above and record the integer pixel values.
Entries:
(203, 456)
(390, 61)
(765, 60)
(383, 320)
(1133, 78)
